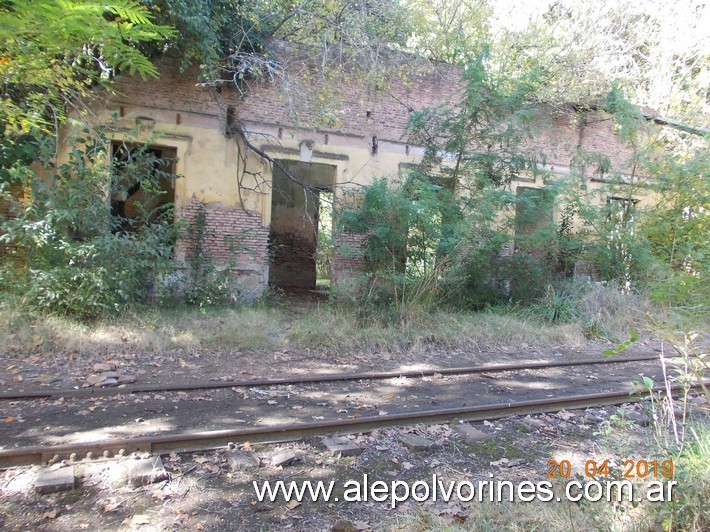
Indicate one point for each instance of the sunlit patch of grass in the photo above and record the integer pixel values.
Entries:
(145, 330)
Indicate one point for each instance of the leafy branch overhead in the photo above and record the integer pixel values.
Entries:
(52, 53)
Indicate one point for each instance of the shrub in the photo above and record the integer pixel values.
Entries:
(74, 255)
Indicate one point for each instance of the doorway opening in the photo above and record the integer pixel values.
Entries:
(301, 234)
(324, 239)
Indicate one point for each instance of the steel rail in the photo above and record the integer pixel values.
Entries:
(216, 439)
(309, 379)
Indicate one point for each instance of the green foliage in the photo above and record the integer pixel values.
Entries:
(678, 229)
(622, 347)
(425, 246)
(206, 286)
(483, 137)
(324, 249)
(228, 38)
(70, 257)
(688, 511)
(208, 30)
(384, 215)
(554, 306)
(54, 51)
(448, 31)
(439, 236)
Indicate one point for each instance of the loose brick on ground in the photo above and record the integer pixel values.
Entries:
(283, 458)
(52, 481)
(415, 443)
(471, 434)
(341, 446)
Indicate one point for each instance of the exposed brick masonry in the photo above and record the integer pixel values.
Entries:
(388, 110)
(233, 236)
(348, 257)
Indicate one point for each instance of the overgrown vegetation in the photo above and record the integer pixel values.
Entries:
(451, 233)
(70, 253)
(143, 330)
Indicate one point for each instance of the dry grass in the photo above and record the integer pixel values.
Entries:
(598, 311)
(264, 329)
(335, 328)
(610, 312)
(151, 331)
(688, 510)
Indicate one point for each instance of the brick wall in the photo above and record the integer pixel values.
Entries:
(348, 258)
(233, 238)
(355, 108)
(359, 110)
(231, 235)
(173, 90)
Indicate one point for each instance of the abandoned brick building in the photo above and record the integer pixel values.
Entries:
(249, 204)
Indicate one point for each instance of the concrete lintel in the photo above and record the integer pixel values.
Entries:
(296, 153)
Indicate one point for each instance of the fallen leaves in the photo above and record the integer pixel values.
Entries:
(293, 504)
(112, 506)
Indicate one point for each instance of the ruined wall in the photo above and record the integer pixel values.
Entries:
(348, 259)
(363, 137)
(232, 238)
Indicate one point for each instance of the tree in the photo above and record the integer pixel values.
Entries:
(656, 53)
(53, 52)
(449, 31)
(53, 55)
(483, 137)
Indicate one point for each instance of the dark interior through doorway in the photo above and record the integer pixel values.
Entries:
(142, 184)
(299, 213)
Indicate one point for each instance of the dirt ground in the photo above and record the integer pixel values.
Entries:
(21, 372)
(203, 493)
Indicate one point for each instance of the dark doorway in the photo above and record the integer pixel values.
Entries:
(142, 184)
(296, 203)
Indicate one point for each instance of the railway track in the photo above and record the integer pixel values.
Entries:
(297, 380)
(216, 439)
